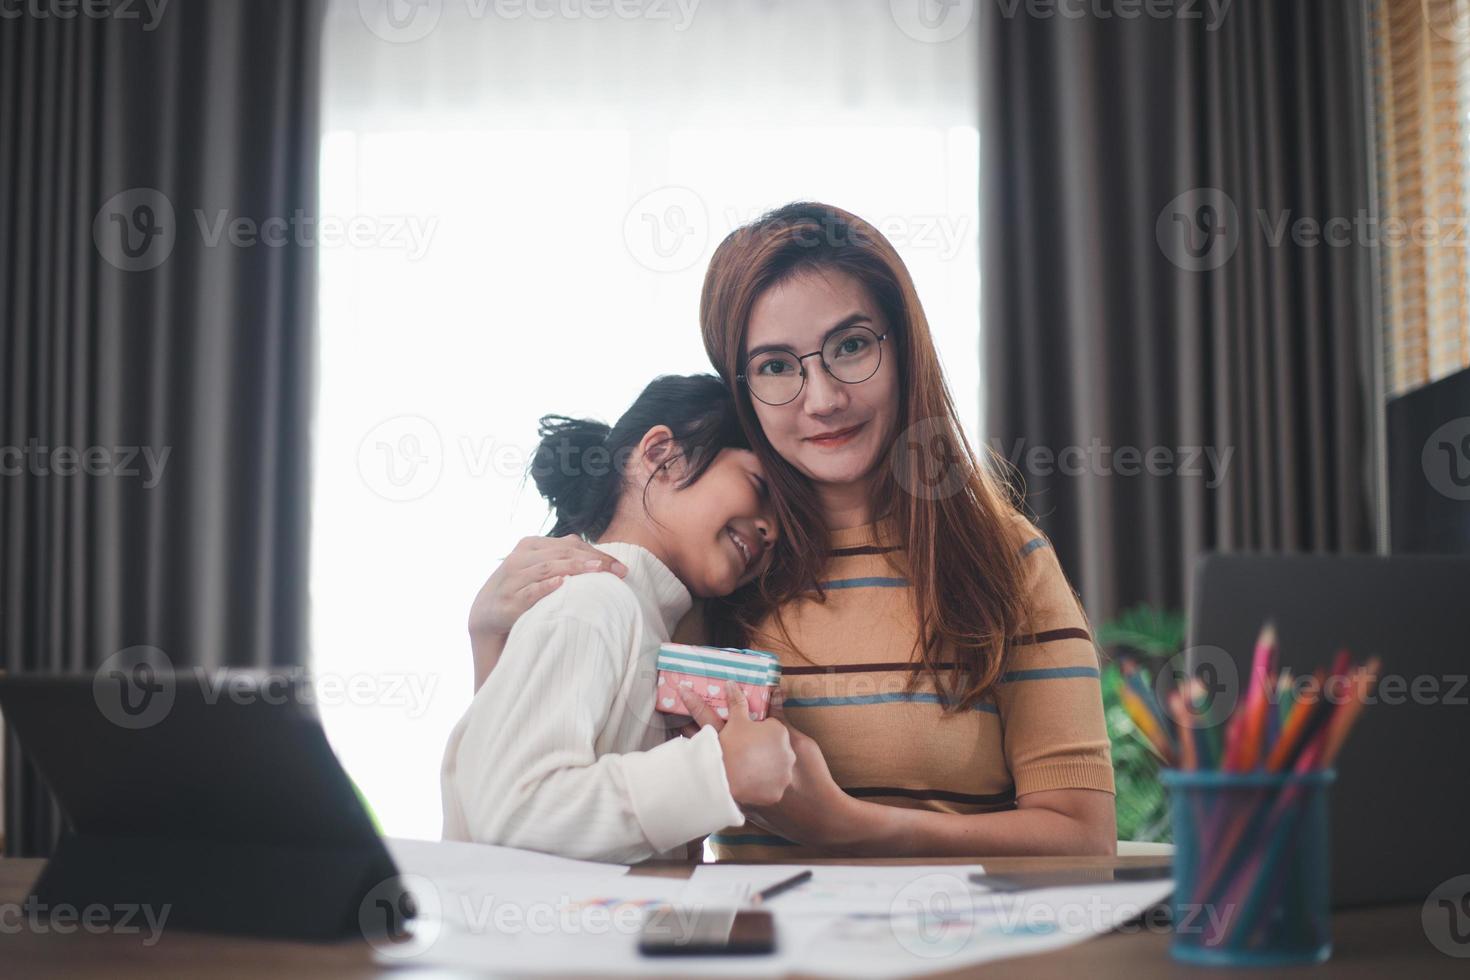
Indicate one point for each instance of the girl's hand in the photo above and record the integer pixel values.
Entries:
(534, 568)
(758, 756)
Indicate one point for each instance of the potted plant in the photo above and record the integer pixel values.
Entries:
(1150, 636)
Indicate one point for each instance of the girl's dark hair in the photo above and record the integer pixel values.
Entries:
(580, 464)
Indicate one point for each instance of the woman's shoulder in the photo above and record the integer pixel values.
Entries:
(1023, 535)
(1053, 601)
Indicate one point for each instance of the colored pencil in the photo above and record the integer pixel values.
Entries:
(1188, 756)
(1282, 724)
(1364, 679)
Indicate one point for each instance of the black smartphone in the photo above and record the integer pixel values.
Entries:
(1025, 881)
(670, 931)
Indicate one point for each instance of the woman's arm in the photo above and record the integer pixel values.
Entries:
(533, 569)
(817, 813)
(1060, 821)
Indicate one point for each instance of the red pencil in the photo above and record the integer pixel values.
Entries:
(1249, 726)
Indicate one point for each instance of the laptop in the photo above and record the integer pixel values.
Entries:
(215, 794)
(1402, 798)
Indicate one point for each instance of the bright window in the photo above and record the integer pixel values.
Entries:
(494, 272)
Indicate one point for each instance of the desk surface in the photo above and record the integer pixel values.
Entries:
(1368, 943)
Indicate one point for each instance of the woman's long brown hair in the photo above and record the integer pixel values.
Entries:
(959, 545)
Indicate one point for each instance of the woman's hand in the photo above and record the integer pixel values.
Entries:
(533, 569)
(814, 811)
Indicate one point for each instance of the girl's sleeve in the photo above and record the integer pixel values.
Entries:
(526, 773)
(1050, 698)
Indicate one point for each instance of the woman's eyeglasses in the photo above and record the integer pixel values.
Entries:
(852, 355)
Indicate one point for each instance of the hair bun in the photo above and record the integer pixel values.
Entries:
(567, 471)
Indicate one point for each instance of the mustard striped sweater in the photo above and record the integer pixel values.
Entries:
(1043, 729)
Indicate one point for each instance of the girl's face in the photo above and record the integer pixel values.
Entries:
(834, 433)
(717, 532)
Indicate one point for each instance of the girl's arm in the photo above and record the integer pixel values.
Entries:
(523, 770)
(533, 569)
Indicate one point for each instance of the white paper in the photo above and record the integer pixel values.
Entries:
(994, 926)
(836, 889)
(500, 910)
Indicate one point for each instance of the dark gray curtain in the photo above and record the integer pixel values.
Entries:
(156, 389)
(1142, 291)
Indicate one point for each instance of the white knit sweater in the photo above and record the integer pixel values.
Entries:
(561, 750)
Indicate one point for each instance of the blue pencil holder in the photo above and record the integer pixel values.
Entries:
(1252, 870)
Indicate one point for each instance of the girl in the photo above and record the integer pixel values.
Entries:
(939, 676)
(562, 750)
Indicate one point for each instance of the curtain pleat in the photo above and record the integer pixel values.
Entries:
(1140, 181)
(187, 373)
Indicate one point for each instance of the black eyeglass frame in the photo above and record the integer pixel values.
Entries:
(801, 366)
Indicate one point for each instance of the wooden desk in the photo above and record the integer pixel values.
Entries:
(1368, 943)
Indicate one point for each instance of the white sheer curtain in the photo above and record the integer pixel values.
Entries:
(519, 200)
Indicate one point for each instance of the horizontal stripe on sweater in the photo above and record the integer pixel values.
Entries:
(887, 582)
(863, 549)
(1039, 673)
(917, 697)
(949, 796)
(870, 582)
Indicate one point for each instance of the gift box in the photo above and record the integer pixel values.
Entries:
(706, 671)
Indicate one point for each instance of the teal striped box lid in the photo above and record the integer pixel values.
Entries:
(725, 663)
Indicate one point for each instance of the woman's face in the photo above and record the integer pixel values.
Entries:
(717, 532)
(834, 433)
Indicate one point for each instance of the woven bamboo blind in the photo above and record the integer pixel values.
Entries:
(1421, 54)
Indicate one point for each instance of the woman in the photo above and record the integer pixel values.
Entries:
(940, 683)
